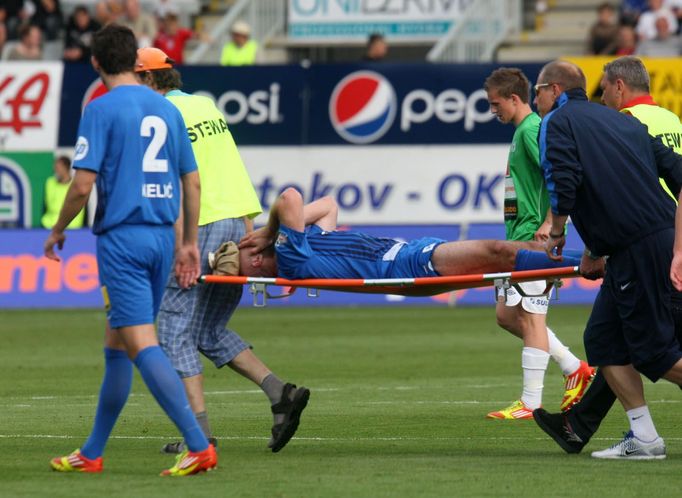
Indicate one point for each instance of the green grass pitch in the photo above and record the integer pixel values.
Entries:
(398, 404)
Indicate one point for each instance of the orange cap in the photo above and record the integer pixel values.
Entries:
(150, 59)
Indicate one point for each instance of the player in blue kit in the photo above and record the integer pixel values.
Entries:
(302, 242)
(133, 144)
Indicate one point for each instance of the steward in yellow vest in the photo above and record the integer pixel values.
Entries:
(55, 192)
(241, 51)
(625, 87)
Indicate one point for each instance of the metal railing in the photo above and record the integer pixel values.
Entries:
(266, 17)
(475, 36)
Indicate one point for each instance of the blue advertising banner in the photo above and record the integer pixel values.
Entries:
(28, 280)
(330, 104)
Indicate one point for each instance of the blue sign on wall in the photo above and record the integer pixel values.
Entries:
(330, 104)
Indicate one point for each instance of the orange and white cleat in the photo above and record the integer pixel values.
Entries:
(188, 462)
(516, 411)
(576, 385)
(75, 462)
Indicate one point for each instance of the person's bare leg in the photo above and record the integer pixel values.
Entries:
(530, 327)
(477, 256)
(674, 375)
(627, 384)
(133, 339)
(508, 318)
(194, 386)
(250, 366)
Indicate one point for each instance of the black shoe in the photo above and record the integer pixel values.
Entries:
(178, 447)
(557, 426)
(291, 405)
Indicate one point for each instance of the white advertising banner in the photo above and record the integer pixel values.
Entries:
(30, 94)
(355, 19)
(388, 184)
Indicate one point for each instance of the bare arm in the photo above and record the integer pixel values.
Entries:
(558, 241)
(676, 267)
(76, 198)
(289, 210)
(187, 264)
(542, 233)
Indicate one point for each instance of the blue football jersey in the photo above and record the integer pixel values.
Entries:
(136, 142)
(320, 254)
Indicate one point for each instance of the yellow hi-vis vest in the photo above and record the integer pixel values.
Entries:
(55, 193)
(233, 55)
(661, 123)
(226, 189)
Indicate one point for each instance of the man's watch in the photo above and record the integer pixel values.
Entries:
(556, 236)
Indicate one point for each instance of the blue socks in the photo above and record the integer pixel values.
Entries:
(118, 377)
(164, 383)
(536, 260)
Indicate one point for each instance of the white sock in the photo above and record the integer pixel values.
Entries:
(568, 362)
(641, 424)
(534, 363)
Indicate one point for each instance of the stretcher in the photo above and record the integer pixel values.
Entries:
(424, 286)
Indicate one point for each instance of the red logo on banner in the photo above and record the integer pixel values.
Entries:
(17, 102)
(96, 89)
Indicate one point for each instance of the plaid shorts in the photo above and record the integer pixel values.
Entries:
(194, 320)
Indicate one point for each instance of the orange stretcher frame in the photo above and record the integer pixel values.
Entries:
(424, 286)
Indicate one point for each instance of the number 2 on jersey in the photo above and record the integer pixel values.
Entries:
(155, 127)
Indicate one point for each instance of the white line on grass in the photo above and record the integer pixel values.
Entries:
(322, 439)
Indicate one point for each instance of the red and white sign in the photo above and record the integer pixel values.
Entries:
(30, 95)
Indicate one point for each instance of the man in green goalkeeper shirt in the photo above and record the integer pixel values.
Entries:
(526, 216)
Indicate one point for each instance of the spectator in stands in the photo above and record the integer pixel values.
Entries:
(377, 48)
(603, 33)
(646, 25)
(143, 24)
(79, 31)
(163, 7)
(241, 50)
(630, 10)
(172, 37)
(666, 43)
(29, 46)
(55, 192)
(108, 11)
(15, 15)
(3, 31)
(48, 16)
(676, 7)
(626, 41)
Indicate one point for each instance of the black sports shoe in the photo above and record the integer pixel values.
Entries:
(557, 426)
(179, 446)
(291, 405)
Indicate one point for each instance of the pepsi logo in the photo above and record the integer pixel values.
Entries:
(362, 107)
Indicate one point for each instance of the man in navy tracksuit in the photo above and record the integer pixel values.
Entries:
(602, 169)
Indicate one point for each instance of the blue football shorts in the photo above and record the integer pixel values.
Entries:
(412, 260)
(134, 262)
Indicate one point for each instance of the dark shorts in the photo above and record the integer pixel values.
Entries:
(631, 320)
